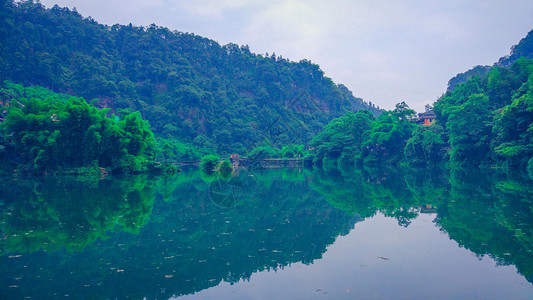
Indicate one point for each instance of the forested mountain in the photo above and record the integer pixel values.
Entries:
(486, 121)
(489, 120)
(188, 87)
(523, 49)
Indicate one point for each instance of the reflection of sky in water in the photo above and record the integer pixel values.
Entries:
(381, 260)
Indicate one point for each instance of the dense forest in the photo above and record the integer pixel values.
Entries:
(193, 91)
(43, 131)
(484, 122)
(161, 96)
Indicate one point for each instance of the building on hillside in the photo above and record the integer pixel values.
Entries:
(426, 118)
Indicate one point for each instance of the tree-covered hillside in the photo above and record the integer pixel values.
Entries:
(485, 119)
(523, 49)
(188, 87)
(489, 120)
(41, 131)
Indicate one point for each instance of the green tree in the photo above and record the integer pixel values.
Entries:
(209, 163)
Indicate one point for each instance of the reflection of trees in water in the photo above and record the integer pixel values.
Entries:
(492, 214)
(228, 192)
(489, 213)
(393, 192)
(192, 243)
(57, 213)
(195, 240)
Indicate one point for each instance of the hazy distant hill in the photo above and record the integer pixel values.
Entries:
(523, 49)
(187, 86)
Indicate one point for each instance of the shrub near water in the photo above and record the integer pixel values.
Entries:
(209, 163)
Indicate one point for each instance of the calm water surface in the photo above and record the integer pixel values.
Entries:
(277, 234)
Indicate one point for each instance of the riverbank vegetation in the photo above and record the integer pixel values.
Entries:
(484, 122)
(47, 132)
(167, 96)
(192, 90)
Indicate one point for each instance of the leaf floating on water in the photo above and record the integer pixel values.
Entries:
(169, 276)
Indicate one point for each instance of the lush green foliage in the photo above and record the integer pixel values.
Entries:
(209, 163)
(385, 140)
(489, 120)
(427, 146)
(342, 137)
(486, 121)
(360, 138)
(188, 87)
(49, 132)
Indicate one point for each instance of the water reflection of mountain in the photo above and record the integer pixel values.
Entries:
(67, 213)
(157, 237)
(191, 242)
(492, 214)
(488, 213)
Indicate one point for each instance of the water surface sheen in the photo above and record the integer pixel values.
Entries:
(290, 233)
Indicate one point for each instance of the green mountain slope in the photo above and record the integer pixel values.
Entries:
(486, 121)
(188, 87)
(524, 48)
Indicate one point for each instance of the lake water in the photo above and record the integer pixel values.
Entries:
(274, 234)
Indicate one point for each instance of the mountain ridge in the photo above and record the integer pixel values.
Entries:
(524, 48)
(185, 85)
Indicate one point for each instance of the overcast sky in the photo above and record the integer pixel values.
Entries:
(384, 51)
